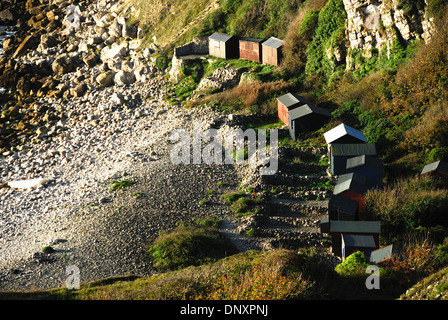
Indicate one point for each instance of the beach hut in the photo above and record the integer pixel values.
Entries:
(340, 208)
(250, 49)
(339, 153)
(368, 166)
(350, 243)
(352, 186)
(223, 46)
(382, 254)
(324, 225)
(366, 228)
(272, 51)
(344, 134)
(437, 168)
(287, 102)
(306, 118)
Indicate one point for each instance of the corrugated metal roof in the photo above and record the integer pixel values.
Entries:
(353, 149)
(220, 37)
(305, 110)
(358, 240)
(292, 99)
(352, 185)
(435, 166)
(381, 254)
(355, 177)
(364, 160)
(342, 130)
(348, 226)
(248, 39)
(342, 204)
(273, 43)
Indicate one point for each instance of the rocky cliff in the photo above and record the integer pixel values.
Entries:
(375, 24)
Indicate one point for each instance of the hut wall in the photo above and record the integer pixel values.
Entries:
(271, 56)
(357, 197)
(217, 48)
(250, 51)
(282, 112)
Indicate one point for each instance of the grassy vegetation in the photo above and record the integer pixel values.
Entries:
(189, 245)
(409, 205)
(254, 275)
(242, 203)
(120, 185)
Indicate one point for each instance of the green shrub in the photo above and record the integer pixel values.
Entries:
(328, 33)
(48, 249)
(354, 264)
(188, 245)
(440, 254)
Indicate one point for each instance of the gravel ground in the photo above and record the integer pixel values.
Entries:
(102, 232)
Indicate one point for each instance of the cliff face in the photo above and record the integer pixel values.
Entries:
(375, 24)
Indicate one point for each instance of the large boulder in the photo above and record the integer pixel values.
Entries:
(105, 79)
(47, 41)
(90, 60)
(6, 16)
(28, 42)
(115, 52)
(123, 78)
(63, 64)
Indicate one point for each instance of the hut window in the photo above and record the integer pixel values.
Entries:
(217, 44)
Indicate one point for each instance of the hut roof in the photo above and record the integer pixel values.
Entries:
(364, 160)
(358, 240)
(292, 99)
(381, 254)
(351, 181)
(353, 149)
(342, 130)
(436, 166)
(306, 110)
(220, 37)
(249, 39)
(273, 43)
(348, 226)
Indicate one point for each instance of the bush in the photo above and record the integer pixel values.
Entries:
(407, 204)
(440, 255)
(188, 245)
(354, 264)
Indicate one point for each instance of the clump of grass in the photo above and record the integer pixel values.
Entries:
(242, 203)
(189, 245)
(204, 202)
(121, 185)
(47, 249)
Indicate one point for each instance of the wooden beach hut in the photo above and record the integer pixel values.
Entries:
(306, 118)
(288, 102)
(344, 227)
(250, 49)
(223, 46)
(272, 51)
(339, 153)
(369, 166)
